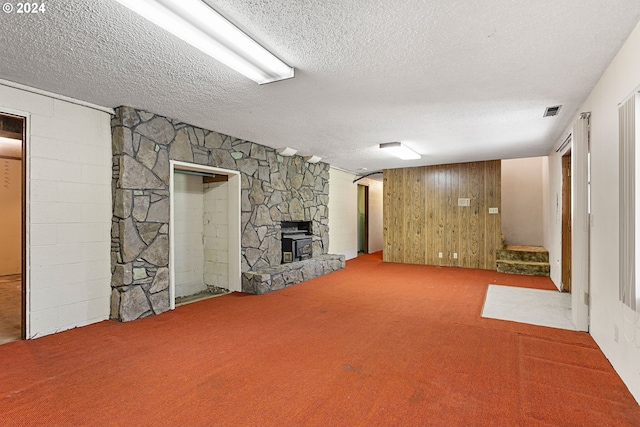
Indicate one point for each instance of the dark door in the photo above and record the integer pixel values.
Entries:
(566, 222)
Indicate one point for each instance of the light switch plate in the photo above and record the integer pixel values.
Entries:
(493, 210)
(464, 201)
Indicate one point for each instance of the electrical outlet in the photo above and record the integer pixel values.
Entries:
(455, 255)
(439, 254)
(615, 333)
(493, 210)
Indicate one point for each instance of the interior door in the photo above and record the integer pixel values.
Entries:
(566, 222)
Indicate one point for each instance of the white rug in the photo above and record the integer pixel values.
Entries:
(532, 306)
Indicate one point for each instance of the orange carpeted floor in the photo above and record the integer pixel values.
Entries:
(374, 344)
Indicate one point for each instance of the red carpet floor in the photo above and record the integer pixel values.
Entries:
(374, 344)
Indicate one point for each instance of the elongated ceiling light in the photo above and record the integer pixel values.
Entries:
(10, 147)
(399, 150)
(199, 25)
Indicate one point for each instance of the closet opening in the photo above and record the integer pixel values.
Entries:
(204, 232)
(12, 228)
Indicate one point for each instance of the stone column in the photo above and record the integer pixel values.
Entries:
(140, 224)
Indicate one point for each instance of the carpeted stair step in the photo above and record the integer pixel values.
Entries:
(523, 253)
(524, 260)
(526, 268)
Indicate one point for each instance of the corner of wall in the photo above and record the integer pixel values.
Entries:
(69, 198)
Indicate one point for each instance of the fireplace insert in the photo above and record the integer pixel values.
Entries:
(296, 241)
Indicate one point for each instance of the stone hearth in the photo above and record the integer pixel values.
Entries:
(275, 278)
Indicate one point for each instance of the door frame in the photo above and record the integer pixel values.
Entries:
(26, 179)
(366, 217)
(566, 222)
(580, 223)
(234, 234)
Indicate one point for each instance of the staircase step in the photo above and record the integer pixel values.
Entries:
(526, 268)
(523, 253)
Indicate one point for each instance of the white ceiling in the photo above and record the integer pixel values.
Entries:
(457, 80)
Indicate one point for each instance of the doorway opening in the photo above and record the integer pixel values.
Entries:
(566, 222)
(204, 232)
(12, 228)
(363, 219)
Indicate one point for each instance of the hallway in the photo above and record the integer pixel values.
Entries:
(10, 303)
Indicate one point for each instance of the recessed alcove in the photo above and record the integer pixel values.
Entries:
(204, 230)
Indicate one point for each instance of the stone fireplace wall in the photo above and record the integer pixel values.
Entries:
(274, 189)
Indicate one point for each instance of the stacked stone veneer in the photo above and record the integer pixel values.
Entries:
(278, 277)
(274, 189)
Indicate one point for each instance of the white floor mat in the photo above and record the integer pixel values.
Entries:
(532, 306)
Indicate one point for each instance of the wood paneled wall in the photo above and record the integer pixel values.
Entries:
(422, 216)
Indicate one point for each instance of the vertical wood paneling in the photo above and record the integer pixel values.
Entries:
(448, 225)
(440, 206)
(482, 215)
(406, 214)
(455, 222)
(418, 216)
(464, 191)
(474, 236)
(422, 216)
(431, 215)
(398, 207)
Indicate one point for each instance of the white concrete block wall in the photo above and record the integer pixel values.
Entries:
(607, 314)
(188, 234)
(343, 214)
(69, 211)
(216, 234)
(522, 201)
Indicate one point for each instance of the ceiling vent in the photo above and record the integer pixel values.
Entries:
(552, 111)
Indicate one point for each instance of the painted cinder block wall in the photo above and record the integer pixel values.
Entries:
(522, 206)
(343, 213)
(188, 234)
(69, 204)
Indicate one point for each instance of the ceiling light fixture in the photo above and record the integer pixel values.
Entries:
(202, 27)
(10, 147)
(400, 150)
(287, 151)
(312, 159)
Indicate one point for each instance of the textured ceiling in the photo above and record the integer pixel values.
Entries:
(455, 80)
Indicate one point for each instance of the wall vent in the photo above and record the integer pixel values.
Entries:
(552, 111)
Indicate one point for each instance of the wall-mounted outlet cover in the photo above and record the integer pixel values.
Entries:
(455, 255)
(464, 201)
(493, 210)
(439, 254)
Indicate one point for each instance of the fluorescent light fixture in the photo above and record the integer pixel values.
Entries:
(202, 27)
(10, 147)
(312, 159)
(287, 151)
(399, 150)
